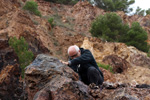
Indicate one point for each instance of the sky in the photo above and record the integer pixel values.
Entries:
(144, 4)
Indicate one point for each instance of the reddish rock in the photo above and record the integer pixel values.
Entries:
(7, 54)
(140, 60)
(8, 5)
(119, 65)
(47, 78)
(10, 87)
(108, 76)
(9, 72)
(147, 97)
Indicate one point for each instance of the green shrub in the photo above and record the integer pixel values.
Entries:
(109, 27)
(51, 21)
(32, 7)
(21, 49)
(115, 5)
(107, 67)
(148, 54)
(137, 37)
(148, 12)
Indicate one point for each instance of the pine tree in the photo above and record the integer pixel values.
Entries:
(137, 37)
(109, 27)
(115, 5)
(21, 49)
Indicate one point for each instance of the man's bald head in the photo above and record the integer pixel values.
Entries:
(73, 51)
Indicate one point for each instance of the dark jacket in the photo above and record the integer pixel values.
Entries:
(83, 62)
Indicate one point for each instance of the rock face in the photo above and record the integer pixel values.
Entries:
(10, 87)
(140, 60)
(82, 12)
(48, 79)
(4, 8)
(125, 93)
(135, 75)
(9, 72)
(101, 49)
(126, 57)
(119, 91)
(7, 55)
(119, 65)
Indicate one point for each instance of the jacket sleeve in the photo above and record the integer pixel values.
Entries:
(84, 58)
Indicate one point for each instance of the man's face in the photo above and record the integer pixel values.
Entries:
(74, 54)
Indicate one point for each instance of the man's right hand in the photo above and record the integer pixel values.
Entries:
(64, 62)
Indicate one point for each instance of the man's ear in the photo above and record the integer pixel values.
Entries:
(80, 51)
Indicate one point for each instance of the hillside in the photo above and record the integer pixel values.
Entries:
(72, 25)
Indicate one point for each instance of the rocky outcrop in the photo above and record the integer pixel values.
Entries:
(10, 87)
(142, 20)
(8, 5)
(84, 13)
(140, 60)
(48, 79)
(108, 76)
(134, 75)
(138, 73)
(119, 91)
(9, 72)
(101, 49)
(125, 93)
(17, 24)
(7, 55)
(119, 65)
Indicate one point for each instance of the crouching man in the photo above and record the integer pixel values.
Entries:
(82, 61)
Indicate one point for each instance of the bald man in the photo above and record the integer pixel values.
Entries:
(82, 61)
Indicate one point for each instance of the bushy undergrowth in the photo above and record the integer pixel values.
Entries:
(107, 67)
(137, 37)
(21, 49)
(110, 27)
(32, 7)
(51, 21)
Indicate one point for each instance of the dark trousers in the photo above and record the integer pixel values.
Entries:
(94, 76)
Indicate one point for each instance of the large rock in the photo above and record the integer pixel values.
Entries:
(108, 76)
(48, 79)
(140, 60)
(119, 65)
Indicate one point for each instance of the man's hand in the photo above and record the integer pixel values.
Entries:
(64, 62)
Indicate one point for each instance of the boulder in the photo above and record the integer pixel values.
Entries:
(48, 79)
(118, 64)
(140, 60)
